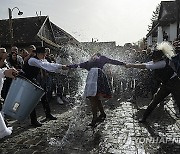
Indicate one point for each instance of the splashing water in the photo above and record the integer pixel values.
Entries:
(79, 121)
(79, 105)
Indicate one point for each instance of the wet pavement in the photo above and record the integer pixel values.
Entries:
(120, 133)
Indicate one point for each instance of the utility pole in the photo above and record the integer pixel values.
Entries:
(10, 27)
(10, 24)
(177, 7)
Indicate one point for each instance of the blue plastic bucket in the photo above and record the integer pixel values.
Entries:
(22, 98)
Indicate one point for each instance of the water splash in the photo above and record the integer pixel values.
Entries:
(78, 123)
(79, 119)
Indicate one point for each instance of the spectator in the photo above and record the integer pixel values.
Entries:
(11, 73)
(23, 53)
(165, 36)
(31, 52)
(3, 63)
(13, 61)
(62, 79)
(20, 60)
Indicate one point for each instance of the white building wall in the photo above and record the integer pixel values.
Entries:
(160, 35)
(149, 40)
(173, 32)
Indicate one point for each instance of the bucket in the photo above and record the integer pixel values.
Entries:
(22, 97)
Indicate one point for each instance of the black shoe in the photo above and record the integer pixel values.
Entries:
(65, 100)
(177, 115)
(142, 120)
(93, 124)
(132, 100)
(51, 117)
(101, 118)
(36, 124)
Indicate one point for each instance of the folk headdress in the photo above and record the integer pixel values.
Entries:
(167, 49)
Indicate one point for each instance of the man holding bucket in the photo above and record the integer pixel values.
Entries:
(11, 73)
(31, 70)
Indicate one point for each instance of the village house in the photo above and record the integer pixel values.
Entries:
(39, 31)
(166, 28)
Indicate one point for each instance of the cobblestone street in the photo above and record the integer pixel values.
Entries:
(120, 133)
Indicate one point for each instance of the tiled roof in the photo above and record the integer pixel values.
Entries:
(24, 29)
(169, 10)
(60, 35)
(167, 15)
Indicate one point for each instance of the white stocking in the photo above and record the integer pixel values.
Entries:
(4, 130)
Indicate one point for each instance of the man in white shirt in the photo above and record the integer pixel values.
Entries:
(170, 83)
(11, 73)
(31, 70)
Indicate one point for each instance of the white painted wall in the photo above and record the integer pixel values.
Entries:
(149, 40)
(160, 35)
(173, 31)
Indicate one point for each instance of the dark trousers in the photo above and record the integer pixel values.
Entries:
(173, 87)
(6, 86)
(46, 108)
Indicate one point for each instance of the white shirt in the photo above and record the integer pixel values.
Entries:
(2, 78)
(157, 65)
(44, 64)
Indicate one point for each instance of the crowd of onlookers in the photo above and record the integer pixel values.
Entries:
(141, 82)
(134, 83)
(54, 83)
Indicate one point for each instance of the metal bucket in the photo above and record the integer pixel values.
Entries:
(22, 98)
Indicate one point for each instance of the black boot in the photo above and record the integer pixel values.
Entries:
(36, 124)
(47, 110)
(93, 124)
(101, 117)
(50, 117)
(142, 120)
(145, 115)
(34, 121)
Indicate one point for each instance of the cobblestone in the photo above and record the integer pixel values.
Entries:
(120, 133)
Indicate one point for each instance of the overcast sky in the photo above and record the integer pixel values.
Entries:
(106, 20)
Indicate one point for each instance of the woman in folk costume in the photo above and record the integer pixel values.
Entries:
(97, 86)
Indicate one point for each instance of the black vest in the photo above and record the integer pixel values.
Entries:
(164, 74)
(30, 72)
